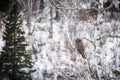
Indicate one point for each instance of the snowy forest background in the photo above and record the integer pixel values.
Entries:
(51, 28)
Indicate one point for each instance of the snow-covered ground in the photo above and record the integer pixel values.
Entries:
(53, 57)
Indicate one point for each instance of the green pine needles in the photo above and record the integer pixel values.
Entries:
(15, 63)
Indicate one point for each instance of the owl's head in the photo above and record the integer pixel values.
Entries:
(78, 40)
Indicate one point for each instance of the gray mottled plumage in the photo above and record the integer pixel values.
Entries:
(80, 47)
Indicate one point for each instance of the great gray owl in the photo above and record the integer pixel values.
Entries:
(80, 47)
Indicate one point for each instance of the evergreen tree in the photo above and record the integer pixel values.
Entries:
(15, 63)
(4, 4)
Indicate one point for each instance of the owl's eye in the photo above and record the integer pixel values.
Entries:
(79, 40)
